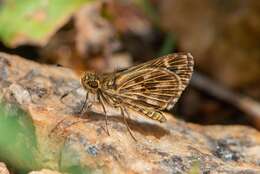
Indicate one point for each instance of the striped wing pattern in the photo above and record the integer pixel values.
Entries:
(156, 84)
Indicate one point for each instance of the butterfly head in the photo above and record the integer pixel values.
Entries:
(90, 81)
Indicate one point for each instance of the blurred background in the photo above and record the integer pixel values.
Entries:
(106, 35)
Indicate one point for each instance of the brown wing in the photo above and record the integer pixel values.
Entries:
(157, 83)
(179, 63)
(150, 87)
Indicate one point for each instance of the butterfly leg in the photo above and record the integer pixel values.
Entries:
(61, 121)
(66, 94)
(123, 111)
(84, 104)
(101, 101)
(127, 113)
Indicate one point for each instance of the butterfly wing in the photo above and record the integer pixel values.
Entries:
(156, 84)
(151, 88)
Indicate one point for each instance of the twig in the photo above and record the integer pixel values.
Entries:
(243, 103)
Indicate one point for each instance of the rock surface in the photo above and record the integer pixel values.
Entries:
(3, 169)
(44, 171)
(68, 141)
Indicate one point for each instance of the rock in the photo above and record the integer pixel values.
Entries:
(67, 141)
(3, 169)
(44, 171)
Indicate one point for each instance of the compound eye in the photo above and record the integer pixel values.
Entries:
(93, 84)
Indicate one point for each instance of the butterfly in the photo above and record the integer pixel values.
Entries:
(148, 88)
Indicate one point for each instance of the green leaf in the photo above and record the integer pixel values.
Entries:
(34, 21)
(18, 143)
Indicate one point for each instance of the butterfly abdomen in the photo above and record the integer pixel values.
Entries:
(155, 115)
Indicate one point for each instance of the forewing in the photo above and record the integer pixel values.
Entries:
(157, 83)
(150, 87)
(179, 63)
